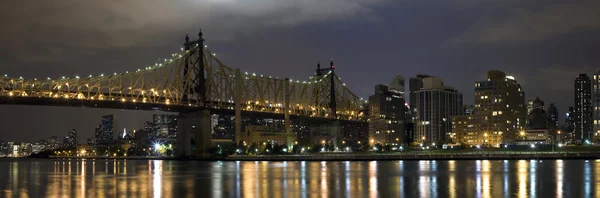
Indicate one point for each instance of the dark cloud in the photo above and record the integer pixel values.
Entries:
(534, 22)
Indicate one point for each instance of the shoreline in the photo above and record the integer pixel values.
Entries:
(367, 157)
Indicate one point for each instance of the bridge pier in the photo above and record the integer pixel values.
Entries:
(197, 123)
(328, 131)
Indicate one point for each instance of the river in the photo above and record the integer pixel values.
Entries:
(425, 178)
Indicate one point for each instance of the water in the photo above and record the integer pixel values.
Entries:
(155, 178)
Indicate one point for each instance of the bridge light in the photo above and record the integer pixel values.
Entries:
(10, 93)
(63, 77)
(122, 99)
(77, 77)
(115, 73)
(101, 75)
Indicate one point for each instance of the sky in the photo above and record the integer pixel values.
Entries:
(544, 43)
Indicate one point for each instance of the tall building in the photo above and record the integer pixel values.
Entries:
(553, 122)
(530, 102)
(105, 133)
(73, 137)
(165, 126)
(596, 103)
(583, 108)
(500, 112)
(53, 143)
(435, 105)
(537, 118)
(569, 128)
(387, 113)
(415, 84)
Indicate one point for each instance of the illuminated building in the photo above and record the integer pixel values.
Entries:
(71, 139)
(387, 116)
(435, 106)
(596, 103)
(106, 130)
(530, 102)
(415, 84)
(500, 112)
(165, 126)
(583, 108)
(569, 128)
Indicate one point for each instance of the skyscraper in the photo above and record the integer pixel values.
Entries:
(553, 120)
(569, 128)
(105, 132)
(530, 102)
(387, 113)
(537, 118)
(165, 126)
(596, 103)
(500, 112)
(435, 105)
(583, 108)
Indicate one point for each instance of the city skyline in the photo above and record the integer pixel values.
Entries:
(289, 46)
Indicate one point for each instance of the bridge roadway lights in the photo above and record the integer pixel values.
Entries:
(193, 123)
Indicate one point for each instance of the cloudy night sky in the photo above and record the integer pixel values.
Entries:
(546, 43)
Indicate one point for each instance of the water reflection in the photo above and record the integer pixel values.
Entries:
(155, 178)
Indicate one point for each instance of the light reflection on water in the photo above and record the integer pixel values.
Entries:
(156, 178)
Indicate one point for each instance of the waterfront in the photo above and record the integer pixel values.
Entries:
(425, 178)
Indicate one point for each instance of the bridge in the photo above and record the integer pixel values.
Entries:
(194, 83)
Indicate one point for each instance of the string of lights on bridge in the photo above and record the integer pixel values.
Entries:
(178, 56)
(174, 57)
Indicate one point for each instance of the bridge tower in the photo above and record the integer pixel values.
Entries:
(331, 130)
(194, 83)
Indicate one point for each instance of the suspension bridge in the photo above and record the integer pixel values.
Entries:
(194, 83)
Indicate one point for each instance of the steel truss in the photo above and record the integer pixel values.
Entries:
(167, 84)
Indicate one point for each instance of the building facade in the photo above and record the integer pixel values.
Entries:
(106, 130)
(500, 112)
(387, 116)
(436, 104)
(583, 109)
(553, 122)
(596, 103)
(415, 84)
(165, 126)
(569, 127)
